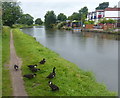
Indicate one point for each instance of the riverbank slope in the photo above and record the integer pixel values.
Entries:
(71, 80)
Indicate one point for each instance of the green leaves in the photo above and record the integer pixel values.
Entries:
(11, 13)
(38, 21)
(50, 19)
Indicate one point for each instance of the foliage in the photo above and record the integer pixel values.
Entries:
(71, 80)
(102, 6)
(75, 16)
(6, 83)
(89, 22)
(61, 17)
(81, 15)
(107, 21)
(50, 19)
(60, 25)
(11, 13)
(38, 21)
(26, 19)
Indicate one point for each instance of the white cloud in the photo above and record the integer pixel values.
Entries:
(38, 8)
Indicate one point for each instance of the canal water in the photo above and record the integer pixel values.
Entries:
(94, 52)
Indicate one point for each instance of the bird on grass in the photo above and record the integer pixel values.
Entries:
(53, 86)
(32, 66)
(29, 76)
(35, 69)
(52, 75)
(42, 61)
(16, 67)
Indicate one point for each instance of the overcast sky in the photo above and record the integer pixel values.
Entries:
(38, 8)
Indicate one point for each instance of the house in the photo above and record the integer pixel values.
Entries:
(112, 13)
(108, 13)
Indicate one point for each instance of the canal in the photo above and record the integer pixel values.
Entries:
(94, 52)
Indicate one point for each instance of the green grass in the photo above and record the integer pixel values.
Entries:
(6, 83)
(0, 63)
(71, 80)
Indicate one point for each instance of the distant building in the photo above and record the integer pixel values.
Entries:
(112, 13)
(108, 13)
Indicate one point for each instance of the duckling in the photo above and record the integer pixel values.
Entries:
(53, 86)
(29, 76)
(35, 69)
(16, 67)
(52, 75)
(42, 61)
(32, 66)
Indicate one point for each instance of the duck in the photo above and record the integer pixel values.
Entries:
(53, 86)
(52, 75)
(29, 76)
(16, 67)
(32, 66)
(42, 61)
(35, 69)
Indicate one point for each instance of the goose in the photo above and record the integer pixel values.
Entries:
(53, 86)
(35, 69)
(52, 75)
(42, 61)
(32, 66)
(16, 67)
(29, 76)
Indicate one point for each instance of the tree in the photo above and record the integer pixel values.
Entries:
(50, 19)
(11, 13)
(102, 6)
(83, 13)
(38, 21)
(61, 17)
(26, 19)
(74, 16)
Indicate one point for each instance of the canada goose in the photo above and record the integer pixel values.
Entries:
(53, 86)
(42, 61)
(29, 76)
(35, 69)
(32, 66)
(16, 67)
(52, 75)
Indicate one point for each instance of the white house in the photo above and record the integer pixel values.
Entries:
(112, 13)
(108, 13)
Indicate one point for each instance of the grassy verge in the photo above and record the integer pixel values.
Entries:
(6, 83)
(71, 80)
(0, 63)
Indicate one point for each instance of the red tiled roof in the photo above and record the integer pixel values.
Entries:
(112, 9)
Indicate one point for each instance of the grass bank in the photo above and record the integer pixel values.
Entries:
(6, 83)
(71, 80)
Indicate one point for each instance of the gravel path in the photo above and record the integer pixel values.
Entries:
(16, 76)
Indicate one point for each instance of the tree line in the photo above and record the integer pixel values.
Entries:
(13, 14)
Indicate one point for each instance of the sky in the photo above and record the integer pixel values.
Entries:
(38, 8)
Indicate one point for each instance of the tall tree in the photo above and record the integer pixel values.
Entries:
(83, 13)
(75, 16)
(11, 13)
(102, 6)
(38, 21)
(61, 17)
(50, 19)
(26, 19)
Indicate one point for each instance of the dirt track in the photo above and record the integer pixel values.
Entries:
(16, 76)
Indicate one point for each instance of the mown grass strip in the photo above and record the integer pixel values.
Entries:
(6, 83)
(71, 80)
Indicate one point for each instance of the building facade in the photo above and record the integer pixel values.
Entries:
(108, 13)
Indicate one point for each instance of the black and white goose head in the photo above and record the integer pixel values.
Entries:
(53, 86)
